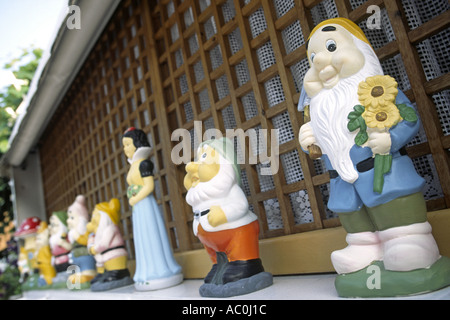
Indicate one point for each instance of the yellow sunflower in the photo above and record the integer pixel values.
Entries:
(377, 91)
(382, 117)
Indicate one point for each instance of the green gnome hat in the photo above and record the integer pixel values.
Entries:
(225, 147)
(62, 216)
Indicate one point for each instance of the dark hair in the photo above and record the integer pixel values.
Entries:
(139, 137)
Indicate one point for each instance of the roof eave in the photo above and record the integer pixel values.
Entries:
(68, 53)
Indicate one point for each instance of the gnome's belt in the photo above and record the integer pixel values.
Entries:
(199, 214)
(364, 165)
(62, 255)
(113, 248)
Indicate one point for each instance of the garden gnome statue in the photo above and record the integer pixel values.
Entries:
(77, 220)
(361, 122)
(108, 247)
(223, 222)
(156, 267)
(28, 231)
(44, 256)
(60, 247)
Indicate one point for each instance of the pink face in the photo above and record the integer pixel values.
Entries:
(333, 56)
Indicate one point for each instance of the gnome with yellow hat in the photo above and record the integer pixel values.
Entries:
(44, 256)
(108, 247)
(361, 122)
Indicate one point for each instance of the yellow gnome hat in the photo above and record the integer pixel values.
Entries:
(111, 208)
(42, 227)
(349, 25)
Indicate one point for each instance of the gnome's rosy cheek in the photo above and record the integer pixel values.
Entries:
(348, 61)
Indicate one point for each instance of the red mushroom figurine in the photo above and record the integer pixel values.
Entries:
(29, 226)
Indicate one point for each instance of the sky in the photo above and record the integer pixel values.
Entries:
(26, 23)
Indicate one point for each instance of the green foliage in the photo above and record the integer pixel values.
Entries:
(407, 113)
(357, 122)
(9, 271)
(11, 97)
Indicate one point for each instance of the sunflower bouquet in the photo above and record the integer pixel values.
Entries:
(378, 112)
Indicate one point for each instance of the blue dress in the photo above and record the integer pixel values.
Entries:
(154, 257)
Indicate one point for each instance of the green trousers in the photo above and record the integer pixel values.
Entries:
(396, 213)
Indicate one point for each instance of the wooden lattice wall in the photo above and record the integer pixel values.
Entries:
(231, 64)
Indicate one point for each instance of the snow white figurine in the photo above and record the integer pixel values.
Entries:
(156, 267)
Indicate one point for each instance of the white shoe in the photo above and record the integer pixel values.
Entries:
(363, 248)
(409, 247)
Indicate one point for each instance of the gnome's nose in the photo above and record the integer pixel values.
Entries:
(321, 60)
(192, 167)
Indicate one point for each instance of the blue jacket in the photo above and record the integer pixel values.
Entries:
(400, 181)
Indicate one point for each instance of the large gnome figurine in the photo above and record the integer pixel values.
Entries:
(77, 220)
(223, 222)
(361, 122)
(108, 247)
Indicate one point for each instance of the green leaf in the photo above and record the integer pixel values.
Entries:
(361, 138)
(407, 113)
(359, 108)
(362, 124)
(353, 115)
(357, 122)
(352, 125)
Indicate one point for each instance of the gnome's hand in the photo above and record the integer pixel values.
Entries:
(61, 242)
(132, 201)
(92, 251)
(216, 216)
(379, 141)
(306, 136)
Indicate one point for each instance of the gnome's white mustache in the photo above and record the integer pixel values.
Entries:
(260, 147)
(214, 188)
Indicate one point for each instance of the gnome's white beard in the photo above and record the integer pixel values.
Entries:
(215, 188)
(54, 238)
(329, 110)
(103, 224)
(79, 230)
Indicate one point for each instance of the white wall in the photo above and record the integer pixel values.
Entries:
(27, 189)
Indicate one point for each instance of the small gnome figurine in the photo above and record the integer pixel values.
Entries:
(28, 231)
(44, 256)
(60, 247)
(223, 222)
(78, 218)
(108, 247)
